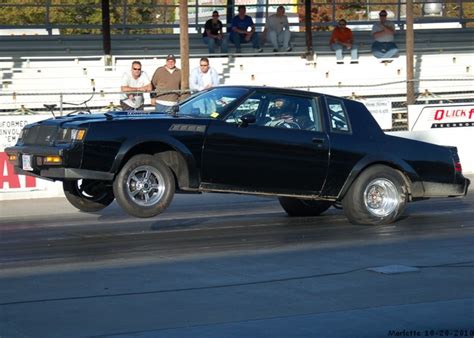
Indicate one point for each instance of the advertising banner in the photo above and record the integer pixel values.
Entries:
(381, 110)
(14, 186)
(435, 116)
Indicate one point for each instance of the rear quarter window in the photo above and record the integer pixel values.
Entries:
(338, 118)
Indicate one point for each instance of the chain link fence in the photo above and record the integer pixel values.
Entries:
(14, 103)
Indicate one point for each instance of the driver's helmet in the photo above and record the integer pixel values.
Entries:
(280, 108)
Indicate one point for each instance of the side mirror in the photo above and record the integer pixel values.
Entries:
(247, 119)
(174, 110)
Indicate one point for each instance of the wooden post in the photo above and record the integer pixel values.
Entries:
(410, 51)
(184, 44)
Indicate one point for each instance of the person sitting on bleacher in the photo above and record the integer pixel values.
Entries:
(243, 31)
(213, 35)
(277, 29)
(383, 32)
(341, 38)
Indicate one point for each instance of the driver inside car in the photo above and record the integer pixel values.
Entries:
(281, 115)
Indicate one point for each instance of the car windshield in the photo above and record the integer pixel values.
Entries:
(211, 103)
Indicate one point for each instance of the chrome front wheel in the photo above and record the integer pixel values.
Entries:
(145, 186)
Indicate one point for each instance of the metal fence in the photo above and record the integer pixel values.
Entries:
(26, 103)
(135, 17)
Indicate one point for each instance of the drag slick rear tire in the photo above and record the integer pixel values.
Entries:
(88, 195)
(144, 186)
(300, 207)
(378, 196)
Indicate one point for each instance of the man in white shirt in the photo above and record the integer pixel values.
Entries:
(383, 32)
(133, 84)
(277, 29)
(203, 77)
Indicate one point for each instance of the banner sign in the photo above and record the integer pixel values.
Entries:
(10, 128)
(435, 116)
(381, 110)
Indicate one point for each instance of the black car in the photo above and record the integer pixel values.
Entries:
(308, 149)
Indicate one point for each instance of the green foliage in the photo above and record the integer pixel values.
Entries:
(85, 16)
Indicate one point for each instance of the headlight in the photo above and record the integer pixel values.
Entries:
(78, 134)
(71, 135)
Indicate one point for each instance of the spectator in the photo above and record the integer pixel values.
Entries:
(278, 30)
(213, 34)
(167, 82)
(342, 38)
(203, 77)
(383, 33)
(133, 84)
(241, 24)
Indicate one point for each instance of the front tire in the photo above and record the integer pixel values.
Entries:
(145, 186)
(300, 207)
(88, 195)
(378, 196)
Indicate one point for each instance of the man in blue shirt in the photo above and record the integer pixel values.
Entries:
(243, 31)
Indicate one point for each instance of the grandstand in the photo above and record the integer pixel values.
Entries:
(39, 70)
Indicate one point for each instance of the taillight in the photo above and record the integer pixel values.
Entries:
(458, 167)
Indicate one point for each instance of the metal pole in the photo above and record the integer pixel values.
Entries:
(308, 32)
(48, 23)
(184, 44)
(61, 104)
(106, 27)
(124, 17)
(229, 15)
(410, 51)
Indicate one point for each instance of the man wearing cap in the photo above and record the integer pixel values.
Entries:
(383, 32)
(166, 81)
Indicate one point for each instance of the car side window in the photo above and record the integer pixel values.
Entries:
(249, 106)
(292, 112)
(337, 115)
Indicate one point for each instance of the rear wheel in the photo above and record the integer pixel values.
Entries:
(300, 207)
(145, 186)
(88, 195)
(378, 196)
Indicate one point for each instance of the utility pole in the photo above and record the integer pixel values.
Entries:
(107, 46)
(308, 32)
(409, 51)
(184, 43)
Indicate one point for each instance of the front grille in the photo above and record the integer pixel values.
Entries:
(40, 135)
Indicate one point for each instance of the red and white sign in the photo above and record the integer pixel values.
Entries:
(14, 186)
(434, 116)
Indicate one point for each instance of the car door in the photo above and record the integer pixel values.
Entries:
(265, 157)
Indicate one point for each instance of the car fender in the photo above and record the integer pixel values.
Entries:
(414, 184)
(163, 146)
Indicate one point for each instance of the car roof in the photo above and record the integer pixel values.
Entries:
(276, 89)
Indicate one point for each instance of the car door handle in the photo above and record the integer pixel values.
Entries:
(318, 140)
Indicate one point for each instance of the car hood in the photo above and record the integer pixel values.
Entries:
(81, 119)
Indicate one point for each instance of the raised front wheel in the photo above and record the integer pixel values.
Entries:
(145, 186)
